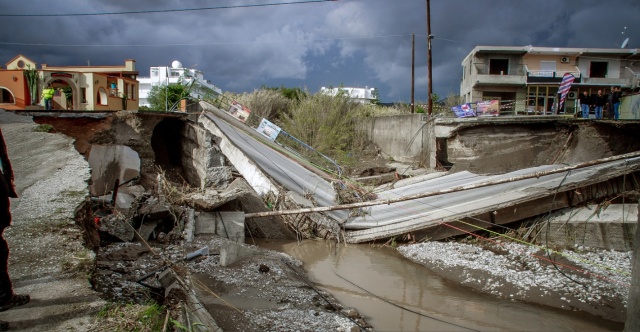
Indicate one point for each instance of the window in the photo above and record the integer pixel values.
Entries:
(20, 64)
(598, 69)
(175, 74)
(6, 97)
(499, 67)
(154, 72)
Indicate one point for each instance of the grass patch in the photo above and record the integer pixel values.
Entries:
(131, 317)
(43, 128)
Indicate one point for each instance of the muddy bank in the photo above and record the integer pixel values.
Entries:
(592, 281)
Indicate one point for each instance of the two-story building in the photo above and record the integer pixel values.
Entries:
(85, 88)
(526, 78)
(199, 87)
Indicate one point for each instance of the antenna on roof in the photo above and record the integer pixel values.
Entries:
(626, 40)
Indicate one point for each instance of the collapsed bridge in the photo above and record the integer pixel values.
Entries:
(290, 198)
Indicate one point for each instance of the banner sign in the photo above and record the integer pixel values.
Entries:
(488, 108)
(268, 129)
(239, 111)
(463, 111)
(565, 85)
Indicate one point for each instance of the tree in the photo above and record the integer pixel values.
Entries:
(32, 83)
(165, 97)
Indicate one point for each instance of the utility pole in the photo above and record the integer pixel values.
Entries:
(413, 72)
(633, 304)
(429, 37)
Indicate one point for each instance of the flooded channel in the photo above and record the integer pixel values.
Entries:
(394, 294)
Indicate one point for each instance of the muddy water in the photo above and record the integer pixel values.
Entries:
(378, 281)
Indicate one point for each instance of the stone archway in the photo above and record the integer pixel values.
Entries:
(62, 80)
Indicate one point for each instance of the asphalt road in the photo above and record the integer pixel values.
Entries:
(282, 169)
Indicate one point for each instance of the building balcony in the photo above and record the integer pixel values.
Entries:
(501, 80)
(624, 82)
(550, 77)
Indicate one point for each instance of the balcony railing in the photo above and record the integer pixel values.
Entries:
(550, 76)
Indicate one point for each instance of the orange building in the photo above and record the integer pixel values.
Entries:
(85, 88)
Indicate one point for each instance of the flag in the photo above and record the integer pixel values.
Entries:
(565, 85)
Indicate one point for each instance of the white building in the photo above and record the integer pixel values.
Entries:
(161, 76)
(361, 95)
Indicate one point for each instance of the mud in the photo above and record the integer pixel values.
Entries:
(394, 294)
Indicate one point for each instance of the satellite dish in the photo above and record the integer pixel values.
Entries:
(625, 42)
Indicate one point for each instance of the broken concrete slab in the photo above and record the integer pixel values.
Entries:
(116, 225)
(211, 199)
(155, 209)
(611, 228)
(265, 227)
(234, 252)
(110, 163)
(219, 176)
(124, 201)
(136, 190)
(147, 229)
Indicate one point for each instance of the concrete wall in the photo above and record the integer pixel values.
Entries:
(203, 163)
(400, 137)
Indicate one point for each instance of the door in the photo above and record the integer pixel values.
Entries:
(547, 68)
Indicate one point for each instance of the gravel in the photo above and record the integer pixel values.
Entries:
(586, 279)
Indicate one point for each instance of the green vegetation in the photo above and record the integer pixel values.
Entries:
(131, 317)
(43, 128)
(327, 123)
(31, 75)
(163, 98)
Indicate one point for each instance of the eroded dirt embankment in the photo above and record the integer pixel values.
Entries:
(492, 148)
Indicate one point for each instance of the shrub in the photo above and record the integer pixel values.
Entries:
(43, 128)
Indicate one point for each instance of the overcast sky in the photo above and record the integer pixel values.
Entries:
(309, 45)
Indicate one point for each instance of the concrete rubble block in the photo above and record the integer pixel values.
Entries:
(189, 224)
(210, 199)
(267, 227)
(233, 252)
(218, 176)
(147, 229)
(124, 201)
(116, 225)
(155, 209)
(110, 163)
(136, 190)
(230, 224)
(227, 224)
(205, 223)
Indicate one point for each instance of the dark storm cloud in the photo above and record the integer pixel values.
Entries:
(353, 42)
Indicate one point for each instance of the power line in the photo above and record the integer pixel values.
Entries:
(168, 10)
(197, 44)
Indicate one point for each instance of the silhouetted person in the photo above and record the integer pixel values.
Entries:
(8, 299)
(585, 103)
(599, 100)
(615, 100)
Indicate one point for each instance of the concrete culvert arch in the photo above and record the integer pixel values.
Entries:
(166, 142)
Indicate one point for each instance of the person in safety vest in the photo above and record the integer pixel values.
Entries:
(47, 94)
